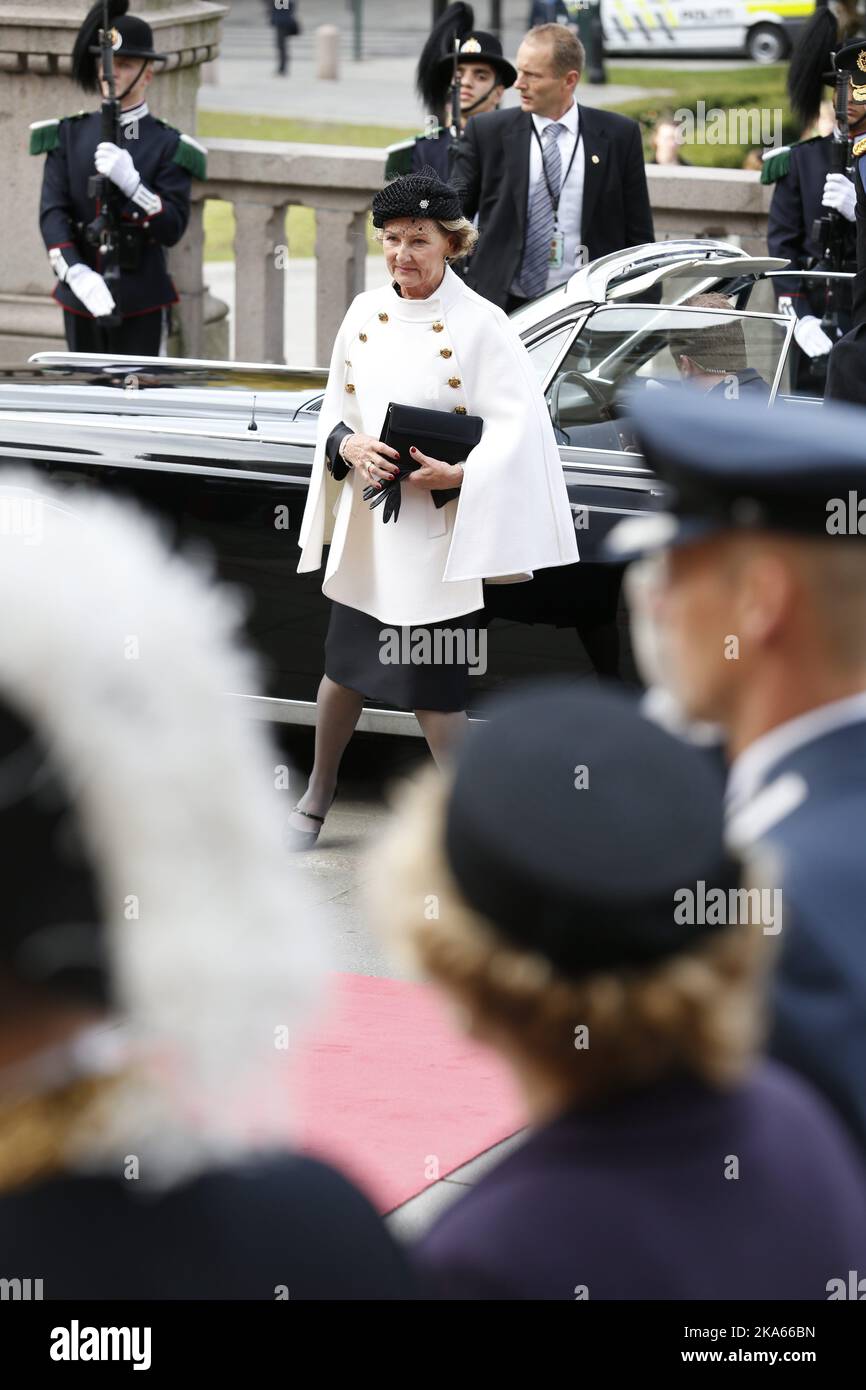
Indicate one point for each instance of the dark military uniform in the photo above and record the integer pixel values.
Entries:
(166, 161)
(433, 76)
(799, 175)
(846, 370)
(431, 151)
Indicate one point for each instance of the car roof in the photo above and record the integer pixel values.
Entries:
(637, 269)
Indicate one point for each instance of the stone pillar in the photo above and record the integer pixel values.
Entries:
(341, 248)
(36, 39)
(259, 285)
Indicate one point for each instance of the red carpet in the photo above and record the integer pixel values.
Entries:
(392, 1093)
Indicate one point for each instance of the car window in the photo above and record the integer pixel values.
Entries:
(545, 351)
(619, 350)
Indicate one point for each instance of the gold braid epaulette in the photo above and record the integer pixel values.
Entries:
(859, 147)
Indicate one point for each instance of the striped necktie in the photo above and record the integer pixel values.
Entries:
(540, 222)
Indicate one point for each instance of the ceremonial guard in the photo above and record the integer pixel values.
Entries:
(115, 193)
(759, 577)
(812, 213)
(482, 74)
(846, 371)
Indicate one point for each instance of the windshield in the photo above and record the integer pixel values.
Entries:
(640, 348)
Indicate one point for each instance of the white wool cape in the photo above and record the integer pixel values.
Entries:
(512, 516)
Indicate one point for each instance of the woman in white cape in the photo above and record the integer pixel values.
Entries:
(424, 340)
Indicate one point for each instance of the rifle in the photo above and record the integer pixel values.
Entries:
(455, 92)
(104, 231)
(832, 230)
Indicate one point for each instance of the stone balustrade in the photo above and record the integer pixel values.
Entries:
(263, 178)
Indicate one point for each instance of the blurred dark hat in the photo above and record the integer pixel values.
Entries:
(132, 37)
(811, 68)
(50, 933)
(573, 821)
(735, 465)
(416, 195)
(436, 63)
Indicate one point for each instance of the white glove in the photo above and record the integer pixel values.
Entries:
(91, 289)
(116, 164)
(810, 336)
(840, 194)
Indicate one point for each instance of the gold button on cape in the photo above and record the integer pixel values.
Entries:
(383, 318)
(437, 327)
(460, 410)
(350, 388)
(445, 352)
(454, 381)
(363, 337)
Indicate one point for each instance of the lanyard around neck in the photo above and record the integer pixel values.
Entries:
(554, 202)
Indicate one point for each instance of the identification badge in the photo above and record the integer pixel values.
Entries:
(557, 250)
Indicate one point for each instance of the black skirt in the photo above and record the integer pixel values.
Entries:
(418, 667)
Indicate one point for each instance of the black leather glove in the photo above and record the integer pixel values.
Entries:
(391, 506)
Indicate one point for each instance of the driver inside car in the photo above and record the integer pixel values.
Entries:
(712, 357)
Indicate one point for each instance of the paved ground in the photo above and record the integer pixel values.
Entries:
(335, 870)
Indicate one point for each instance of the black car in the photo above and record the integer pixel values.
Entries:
(222, 453)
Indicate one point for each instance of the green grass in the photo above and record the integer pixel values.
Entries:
(755, 87)
(219, 218)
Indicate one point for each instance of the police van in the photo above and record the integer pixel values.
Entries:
(763, 29)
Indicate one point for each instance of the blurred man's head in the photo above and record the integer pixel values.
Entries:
(550, 63)
(755, 580)
(742, 613)
(665, 141)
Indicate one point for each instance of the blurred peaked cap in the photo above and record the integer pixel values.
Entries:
(50, 915)
(737, 465)
(584, 874)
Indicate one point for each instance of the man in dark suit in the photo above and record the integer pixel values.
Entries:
(554, 184)
(761, 614)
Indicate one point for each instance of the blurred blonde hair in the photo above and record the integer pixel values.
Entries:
(699, 1012)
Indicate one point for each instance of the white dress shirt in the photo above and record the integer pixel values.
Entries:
(750, 769)
(571, 192)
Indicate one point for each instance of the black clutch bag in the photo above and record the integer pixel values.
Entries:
(439, 433)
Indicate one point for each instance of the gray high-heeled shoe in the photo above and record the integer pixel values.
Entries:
(298, 840)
